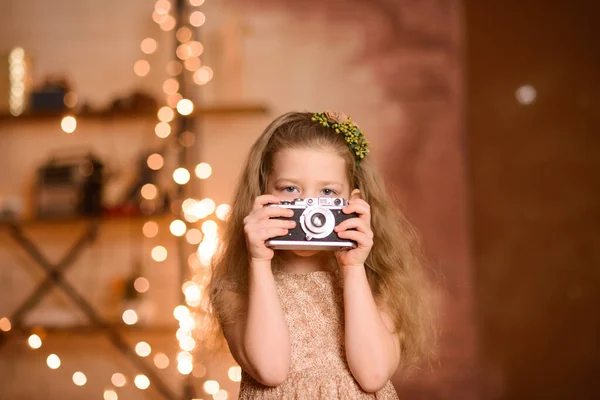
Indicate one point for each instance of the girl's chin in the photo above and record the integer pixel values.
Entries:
(305, 253)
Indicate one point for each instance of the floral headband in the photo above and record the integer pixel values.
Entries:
(343, 124)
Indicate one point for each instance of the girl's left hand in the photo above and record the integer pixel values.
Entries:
(357, 229)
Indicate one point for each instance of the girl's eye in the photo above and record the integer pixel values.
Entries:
(290, 189)
(328, 192)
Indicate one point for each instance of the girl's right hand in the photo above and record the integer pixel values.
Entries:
(260, 225)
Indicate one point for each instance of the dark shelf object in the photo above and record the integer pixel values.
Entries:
(201, 111)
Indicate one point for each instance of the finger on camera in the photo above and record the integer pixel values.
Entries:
(359, 237)
(272, 232)
(358, 206)
(265, 199)
(352, 223)
(276, 223)
(274, 211)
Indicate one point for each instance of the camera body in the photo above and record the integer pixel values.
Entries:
(315, 217)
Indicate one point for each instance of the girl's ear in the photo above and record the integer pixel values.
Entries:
(355, 194)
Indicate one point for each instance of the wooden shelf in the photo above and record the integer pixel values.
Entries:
(202, 111)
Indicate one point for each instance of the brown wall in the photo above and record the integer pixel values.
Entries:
(535, 174)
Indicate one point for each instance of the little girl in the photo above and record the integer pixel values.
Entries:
(318, 324)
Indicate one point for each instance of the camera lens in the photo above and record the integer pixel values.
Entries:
(318, 220)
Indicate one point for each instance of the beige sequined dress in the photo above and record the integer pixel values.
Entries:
(313, 306)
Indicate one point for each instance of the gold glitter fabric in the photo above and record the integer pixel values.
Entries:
(313, 306)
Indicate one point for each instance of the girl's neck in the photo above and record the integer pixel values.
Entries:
(306, 263)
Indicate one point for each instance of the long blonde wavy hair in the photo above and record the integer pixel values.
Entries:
(394, 266)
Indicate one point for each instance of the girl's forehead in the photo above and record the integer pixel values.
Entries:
(307, 162)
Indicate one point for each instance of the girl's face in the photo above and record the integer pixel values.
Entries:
(308, 172)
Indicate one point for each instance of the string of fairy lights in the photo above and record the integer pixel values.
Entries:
(193, 211)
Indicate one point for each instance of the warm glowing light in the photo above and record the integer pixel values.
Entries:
(184, 34)
(203, 75)
(197, 18)
(223, 211)
(53, 361)
(192, 64)
(181, 176)
(207, 249)
(149, 191)
(70, 99)
(196, 3)
(161, 360)
(79, 378)
(149, 45)
(150, 229)
(193, 236)
(18, 74)
(174, 99)
(118, 379)
(180, 312)
(168, 24)
(162, 129)
(155, 161)
(34, 341)
(5, 324)
(196, 48)
(130, 317)
(193, 261)
(141, 382)
(185, 107)
(183, 52)
(188, 205)
(162, 7)
(192, 295)
(159, 254)
(159, 18)
(185, 367)
(207, 206)
(203, 170)
(220, 395)
(174, 68)
(166, 114)
(235, 373)
(526, 94)
(141, 68)
(143, 349)
(209, 228)
(110, 395)
(68, 124)
(191, 218)
(184, 355)
(178, 228)
(171, 86)
(141, 284)
(187, 344)
(211, 387)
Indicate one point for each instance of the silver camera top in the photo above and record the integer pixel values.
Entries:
(317, 201)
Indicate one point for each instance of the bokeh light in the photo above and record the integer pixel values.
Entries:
(161, 360)
(118, 379)
(159, 254)
(79, 378)
(130, 317)
(155, 161)
(203, 170)
(141, 382)
(68, 124)
(53, 361)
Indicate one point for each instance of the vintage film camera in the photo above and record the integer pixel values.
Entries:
(315, 217)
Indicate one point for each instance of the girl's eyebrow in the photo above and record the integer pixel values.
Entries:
(296, 181)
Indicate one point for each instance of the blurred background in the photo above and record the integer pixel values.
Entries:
(123, 127)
